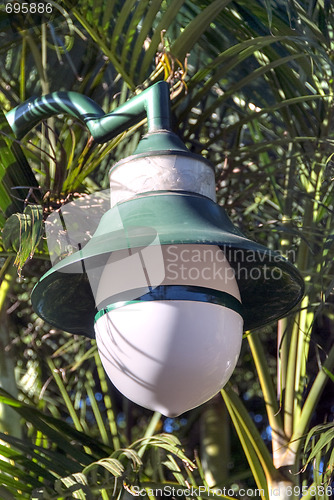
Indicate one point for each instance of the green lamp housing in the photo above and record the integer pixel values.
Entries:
(166, 272)
(270, 286)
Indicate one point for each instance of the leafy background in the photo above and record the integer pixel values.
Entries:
(252, 91)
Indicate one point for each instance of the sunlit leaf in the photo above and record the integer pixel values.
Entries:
(23, 232)
(110, 464)
(325, 439)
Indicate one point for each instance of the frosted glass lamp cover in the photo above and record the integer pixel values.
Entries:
(173, 355)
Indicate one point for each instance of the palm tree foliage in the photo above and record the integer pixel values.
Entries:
(252, 91)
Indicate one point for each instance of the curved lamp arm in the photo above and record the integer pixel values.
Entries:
(154, 102)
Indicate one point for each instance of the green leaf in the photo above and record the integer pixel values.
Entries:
(6, 494)
(58, 431)
(131, 455)
(197, 27)
(320, 429)
(76, 484)
(122, 18)
(269, 9)
(143, 35)
(17, 181)
(328, 373)
(23, 232)
(255, 450)
(166, 442)
(39, 461)
(168, 16)
(110, 464)
(326, 438)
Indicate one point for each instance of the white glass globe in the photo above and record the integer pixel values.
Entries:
(173, 355)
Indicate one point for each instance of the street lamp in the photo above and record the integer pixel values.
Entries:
(167, 283)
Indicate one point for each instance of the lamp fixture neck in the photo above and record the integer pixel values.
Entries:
(153, 102)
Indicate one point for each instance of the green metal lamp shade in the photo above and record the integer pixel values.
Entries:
(269, 285)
